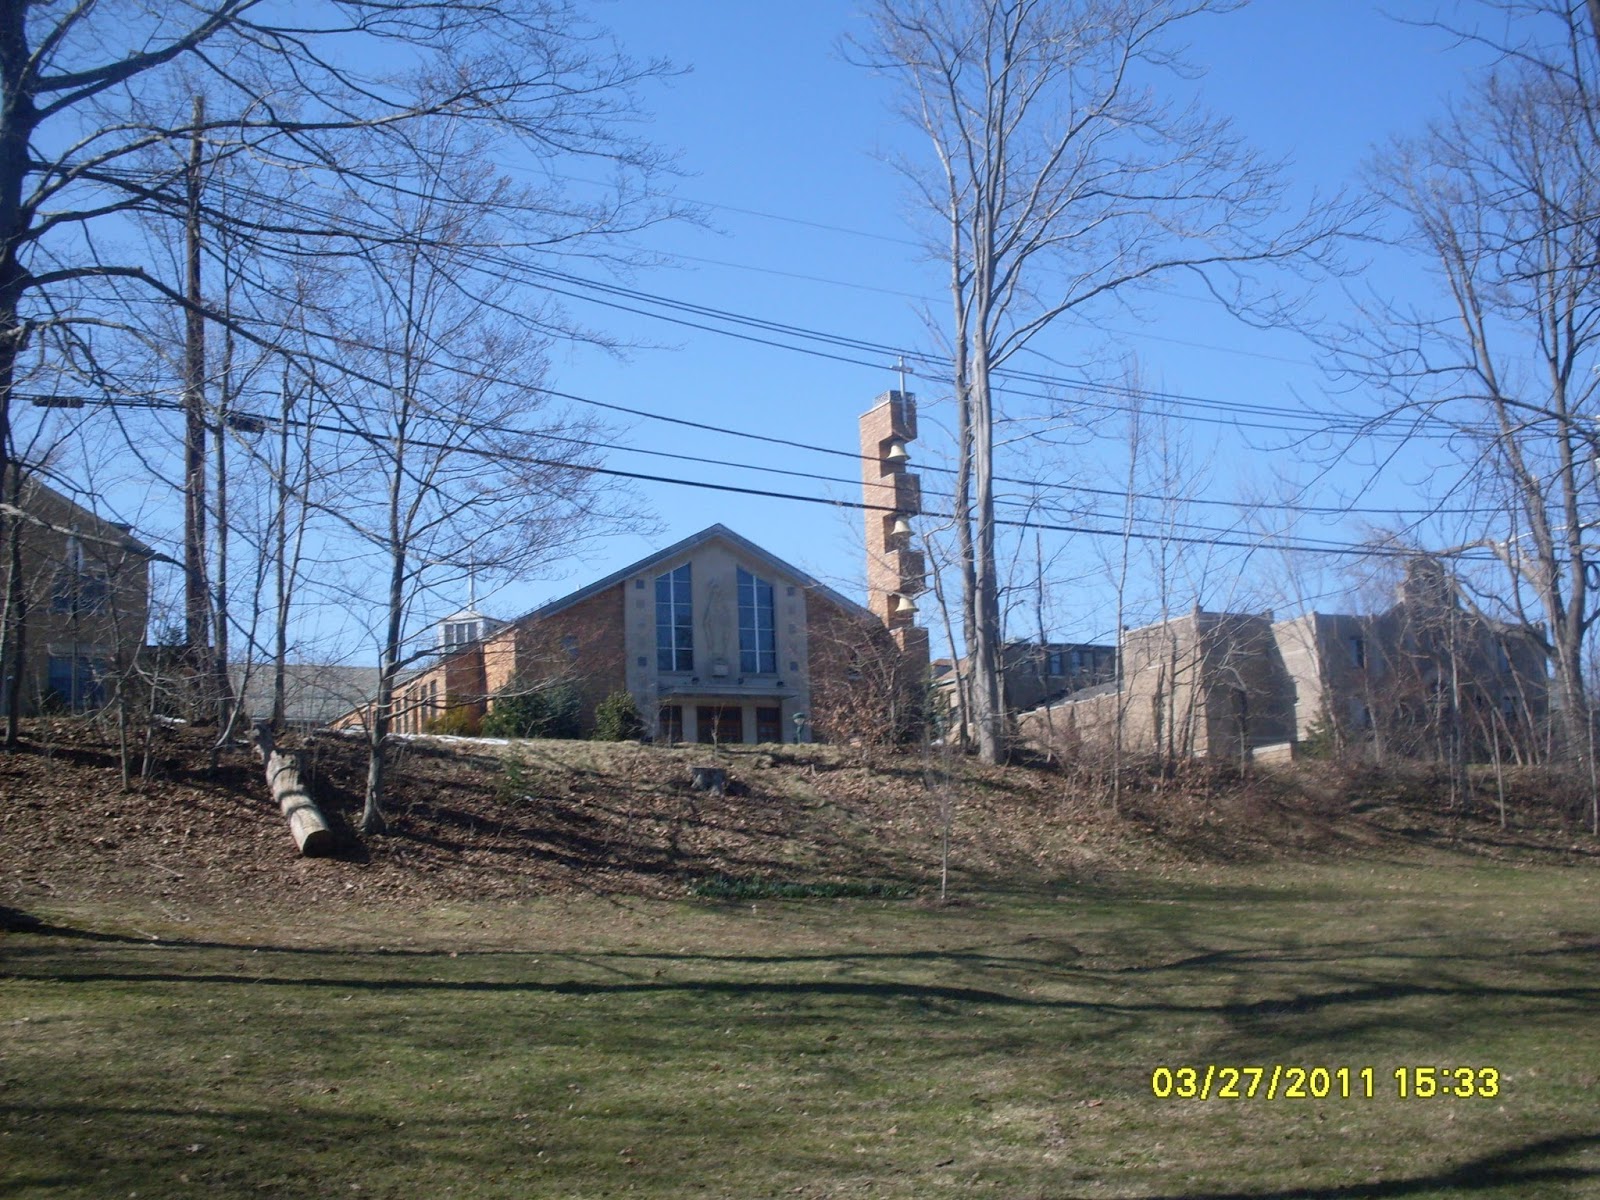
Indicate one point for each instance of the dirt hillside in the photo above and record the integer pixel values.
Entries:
(477, 820)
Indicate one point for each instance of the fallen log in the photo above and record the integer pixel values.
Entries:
(310, 831)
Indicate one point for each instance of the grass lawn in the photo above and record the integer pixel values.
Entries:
(817, 1048)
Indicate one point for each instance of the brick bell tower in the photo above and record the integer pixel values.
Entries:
(895, 572)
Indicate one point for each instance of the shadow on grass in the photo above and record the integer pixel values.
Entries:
(231, 1150)
(1517, 1167)
(1299, 1004)
(1536, 1168)
(1060, 958)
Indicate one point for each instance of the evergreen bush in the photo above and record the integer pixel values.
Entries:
(1322, 739)
(453, 722)
(616, 719)
(539, 710)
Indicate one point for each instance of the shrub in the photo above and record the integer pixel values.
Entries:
(453, 722)
(1321, 740)
(617, 719)
(543, 710)
(53, 704)
(513, 786)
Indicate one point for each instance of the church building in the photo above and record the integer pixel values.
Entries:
(717, 639)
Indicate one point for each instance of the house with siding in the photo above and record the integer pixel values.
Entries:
(313, 693)
(1032, 674)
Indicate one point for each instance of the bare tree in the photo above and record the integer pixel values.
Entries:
(865, 691)
(457, 463)
(290, 87)
(1061, 178)
(1501, 201)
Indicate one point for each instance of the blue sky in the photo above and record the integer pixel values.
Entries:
(784, 142)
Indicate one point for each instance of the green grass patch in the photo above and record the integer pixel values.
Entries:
(835, 1047)
(729, 887)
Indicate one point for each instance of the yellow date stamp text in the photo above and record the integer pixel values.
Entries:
(1281, 1081)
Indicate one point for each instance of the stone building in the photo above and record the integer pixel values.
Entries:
(1204, 685)
(86, 581)
(1426, 677)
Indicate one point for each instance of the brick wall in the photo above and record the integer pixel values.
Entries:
(87, 599)
(582, 643)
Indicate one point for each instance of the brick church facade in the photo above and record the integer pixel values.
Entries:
(715, 638)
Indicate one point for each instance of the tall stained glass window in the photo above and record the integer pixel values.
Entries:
(758, 643)
(674, 621)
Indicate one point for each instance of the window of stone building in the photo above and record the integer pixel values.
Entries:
(675, 621)
(80, 588)
(77, 682)
(758, 639)
(1358, 652)
(82, 595)
(724, 726)
(769, 724)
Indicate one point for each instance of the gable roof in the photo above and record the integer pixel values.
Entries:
(76, 517)
(314, 693)
(694, 541)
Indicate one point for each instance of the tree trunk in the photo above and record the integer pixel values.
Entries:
(372, 818)
(197, 603)
(988, 692)
(311, 833)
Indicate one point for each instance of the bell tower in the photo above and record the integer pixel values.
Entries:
(896, 574)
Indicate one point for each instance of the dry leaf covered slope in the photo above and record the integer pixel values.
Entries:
(486, 821)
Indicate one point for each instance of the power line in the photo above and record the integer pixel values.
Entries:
(1041, 486)
(1165, 536)
(1347, 550)
(593, 291)
(881, 237)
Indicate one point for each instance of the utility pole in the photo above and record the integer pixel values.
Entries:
(196, 601)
